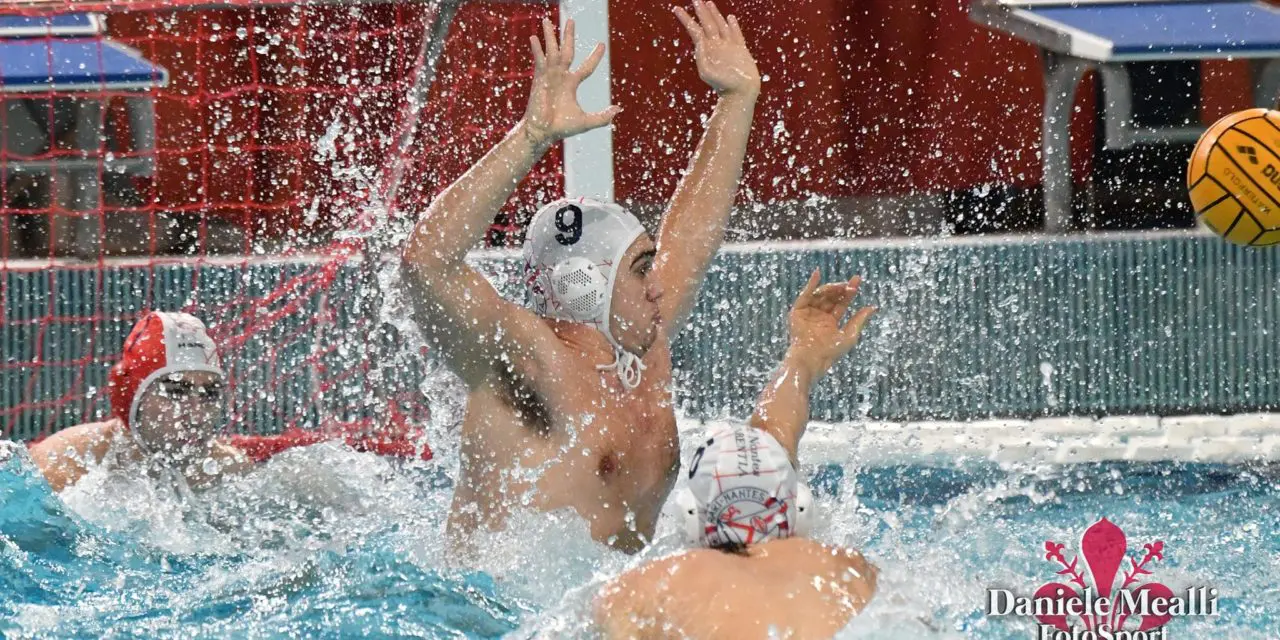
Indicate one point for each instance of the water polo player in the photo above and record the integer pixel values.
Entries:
(746, 510)
(570, 402)
(167, 405)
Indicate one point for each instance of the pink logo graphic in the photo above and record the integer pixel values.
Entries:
(1105, 549)
(1104, 589)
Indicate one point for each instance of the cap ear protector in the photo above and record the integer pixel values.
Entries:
(803, 523)
(581, 287)
(690, 518)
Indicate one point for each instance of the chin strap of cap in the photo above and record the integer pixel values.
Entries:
(627, 365)
(137, 442)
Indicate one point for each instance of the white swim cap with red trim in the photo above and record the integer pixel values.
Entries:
(161, 343)
(743, 490)
(572, 251)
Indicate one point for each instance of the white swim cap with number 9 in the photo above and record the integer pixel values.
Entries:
(571, 253)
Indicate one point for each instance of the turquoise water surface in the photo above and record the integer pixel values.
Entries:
(325, 542)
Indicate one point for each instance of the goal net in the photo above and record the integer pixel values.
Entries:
(245, 161)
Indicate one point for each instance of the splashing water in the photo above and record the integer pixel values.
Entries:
(327, 541)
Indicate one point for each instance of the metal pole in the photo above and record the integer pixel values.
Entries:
(1062, 75)
(432, 49)
(588, 157)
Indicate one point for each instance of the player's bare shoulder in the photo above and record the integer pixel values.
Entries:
(628, 601)
(847, 568)
(66, 456)
(708, 569)
(230, 459)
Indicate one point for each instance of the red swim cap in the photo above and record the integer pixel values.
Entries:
(160, 344)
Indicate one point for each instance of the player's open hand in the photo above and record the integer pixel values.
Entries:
(818, 338)
(553, 113)
(720, 50)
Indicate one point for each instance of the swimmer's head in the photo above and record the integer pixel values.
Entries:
(168, 387)
(589, 261)
(743, 490)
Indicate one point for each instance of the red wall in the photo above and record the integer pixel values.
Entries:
(863, 97)
(872, 97)
(875, 97)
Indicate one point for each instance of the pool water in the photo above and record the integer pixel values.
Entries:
(325, 542)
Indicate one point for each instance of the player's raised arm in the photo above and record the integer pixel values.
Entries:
(456, 307)
(818, 339)
(693, 225)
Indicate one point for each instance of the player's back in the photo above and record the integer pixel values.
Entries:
(610, 455)
(794, 588)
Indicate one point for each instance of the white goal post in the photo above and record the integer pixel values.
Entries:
(588, 158)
